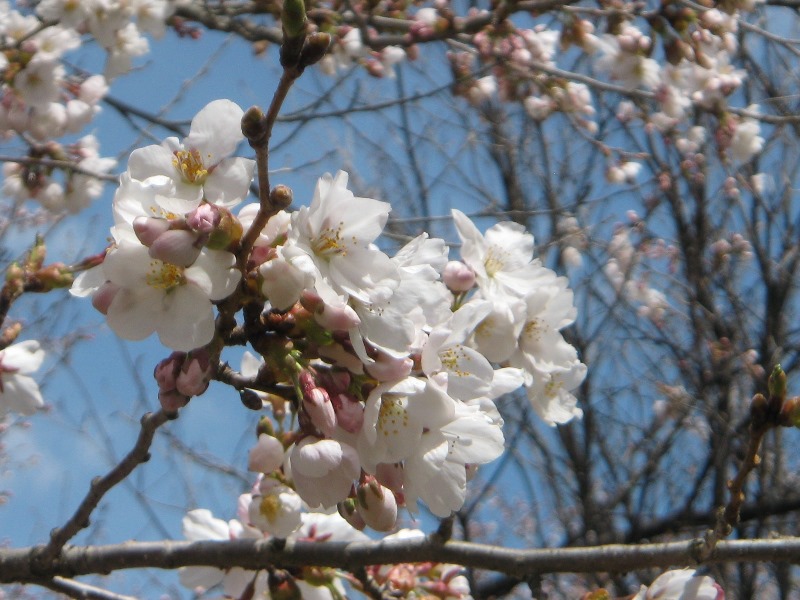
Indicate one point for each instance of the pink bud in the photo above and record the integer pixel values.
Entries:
(176, 247)
(266, 456)
(195, 374)
(318, 406)
(204, 219)
(349, 413)
(172, 401)
(148, 229)
(377, 505)
(389, 368)
(336, 318)
(390, 475)
(458, 276)
(166, 372)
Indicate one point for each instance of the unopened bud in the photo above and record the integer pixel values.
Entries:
(37, 254)
(254, 126)
(349, 413)
(196, 373)
(204, 219)
(318, 406)
(790, 412)
(266, 456)
(54, 276)
(227, 232)
(347, 510)
(176, 247)
(315, 48)
(251, 399)
(265, 427)
(777, 384)
(293, 18)
(147, 229)
(458, 276)
(377, 505)
(172, 401)
(281, 197)
(166, 371)
(282, 586)
(759, 408)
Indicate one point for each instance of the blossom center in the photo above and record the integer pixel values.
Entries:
(392, 416)
(190, 165)
(552, 387)
(330, 242)
(495, 260)
(534, 329)
(450, 359)
(164, 276)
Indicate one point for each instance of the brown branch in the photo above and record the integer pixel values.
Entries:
(21, 565)
(44, 556)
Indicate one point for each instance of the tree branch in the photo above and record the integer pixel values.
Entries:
(21, 565)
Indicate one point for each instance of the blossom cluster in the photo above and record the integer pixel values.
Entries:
(311, 583)
(394, 361)
(41, 101)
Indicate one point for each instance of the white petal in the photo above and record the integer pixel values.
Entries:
(25, 356)
(216, 131)
(229, 182)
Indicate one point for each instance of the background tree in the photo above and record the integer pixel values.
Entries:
(650, 148)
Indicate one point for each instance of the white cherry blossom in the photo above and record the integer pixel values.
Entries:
(19, 392)
(200, 167)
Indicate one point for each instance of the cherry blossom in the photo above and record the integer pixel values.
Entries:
(200, 167)
(19, 392)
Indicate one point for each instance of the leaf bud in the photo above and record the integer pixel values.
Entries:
(54, 276)
(315, 48)
(790, 412)
(777, 384)
(347, 510)
(37, 254)
(251, 399)
(254, 126)
(293, 18)
(281, 197)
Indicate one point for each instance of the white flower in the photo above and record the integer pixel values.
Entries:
(331, 241)
(323, 470)
(746, 142)
(149, 295)
(18, 392)
(550, 392)
(502, 259)
(276, 509)
(682, 584)
(199, 168)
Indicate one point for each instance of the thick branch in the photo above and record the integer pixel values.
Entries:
(20, 565)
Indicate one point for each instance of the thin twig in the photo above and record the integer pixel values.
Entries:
(139, 454)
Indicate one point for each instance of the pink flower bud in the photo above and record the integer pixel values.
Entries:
(177, 247)
(318, 406)
(266, 456)
(391, 476)
(349, 413)
(204, 218)
(172, 401)
(458, 276)
(195, 374)
(389, 368)
(340, 318)
(148, 229)
(377, 505)
(166, 372)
